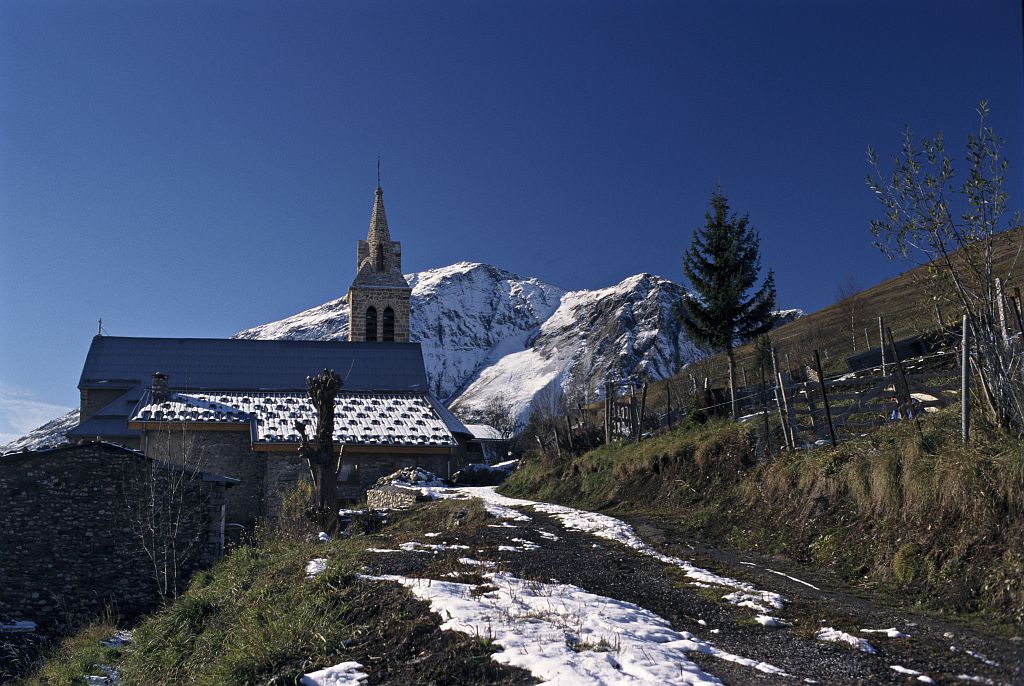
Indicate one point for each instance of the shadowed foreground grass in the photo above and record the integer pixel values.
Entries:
(937, 522)
(255, 618)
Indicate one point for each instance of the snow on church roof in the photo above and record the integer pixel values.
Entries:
(368, 419)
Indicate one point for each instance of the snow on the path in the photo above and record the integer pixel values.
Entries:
(890, 633)
(793, 578)
(834, 635)
(614, 529)
(774, 571)
(769, 621)
(477, 563)
(315, 566)
(344, 674)
(564, 635)
(976, 679)
(416, 547)
(523, 546)
(912, 672)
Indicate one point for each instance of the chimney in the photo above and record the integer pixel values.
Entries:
(159, 387)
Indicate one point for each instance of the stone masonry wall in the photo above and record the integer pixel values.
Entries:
(227, 453)
(359, 299)
(284, 471)
(69, 547)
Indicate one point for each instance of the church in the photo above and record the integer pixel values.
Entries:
(229, 406)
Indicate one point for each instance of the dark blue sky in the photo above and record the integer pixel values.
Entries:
(192, 169)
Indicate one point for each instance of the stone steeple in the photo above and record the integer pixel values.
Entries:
(378, 221)
(378, 298)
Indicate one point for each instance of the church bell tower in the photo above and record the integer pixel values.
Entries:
(378, 299)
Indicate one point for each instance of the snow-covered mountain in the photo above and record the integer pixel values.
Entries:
(487, 332)
(48, 435)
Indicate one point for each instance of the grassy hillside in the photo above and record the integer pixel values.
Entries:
(943, 527)
(906, 303)
(255, 618)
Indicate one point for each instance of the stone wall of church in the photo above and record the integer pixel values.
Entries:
(359, 299)
(268, 475)
(227, 453)
(284, 471)
(95, 399)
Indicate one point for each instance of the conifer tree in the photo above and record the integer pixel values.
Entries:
(722, 265)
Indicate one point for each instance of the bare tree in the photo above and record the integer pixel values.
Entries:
(848, 299)
(951, 226)
(167, 508)
(324, 466)
(500, 413)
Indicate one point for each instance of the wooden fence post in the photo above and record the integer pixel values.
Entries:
(608, 399)
(881, 341)
(668, 401)
(640, 416)
(904, 386)
(764, 409)
(791, 439)
(965, 375)
(824, 398)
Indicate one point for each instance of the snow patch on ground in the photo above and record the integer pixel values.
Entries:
(524, 546)
(889, 633)
(344, 674)
(614, 529)
(835, 636)
(416, 547)
(770, 622)
(315, 566)
(476, 563)
(563, 635)
(912, 672)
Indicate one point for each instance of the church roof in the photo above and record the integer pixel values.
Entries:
(232, 364)
(242, 364)
(365, 419)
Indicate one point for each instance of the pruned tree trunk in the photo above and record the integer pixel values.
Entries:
(324, 466)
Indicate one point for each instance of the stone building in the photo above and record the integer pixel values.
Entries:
(230, 405)
(378, 299)
(70, 538)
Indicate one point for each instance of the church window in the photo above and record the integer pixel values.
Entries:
(389, 324)
(380, 257)
(371, 323)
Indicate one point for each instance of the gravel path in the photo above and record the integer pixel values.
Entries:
(938, 650)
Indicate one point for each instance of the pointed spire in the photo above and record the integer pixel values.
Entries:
(378, 233)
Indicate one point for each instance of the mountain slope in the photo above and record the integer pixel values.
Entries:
(627, 330)
(48, 435)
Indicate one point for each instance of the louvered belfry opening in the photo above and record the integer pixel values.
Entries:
(389, 324)
(371, 324)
